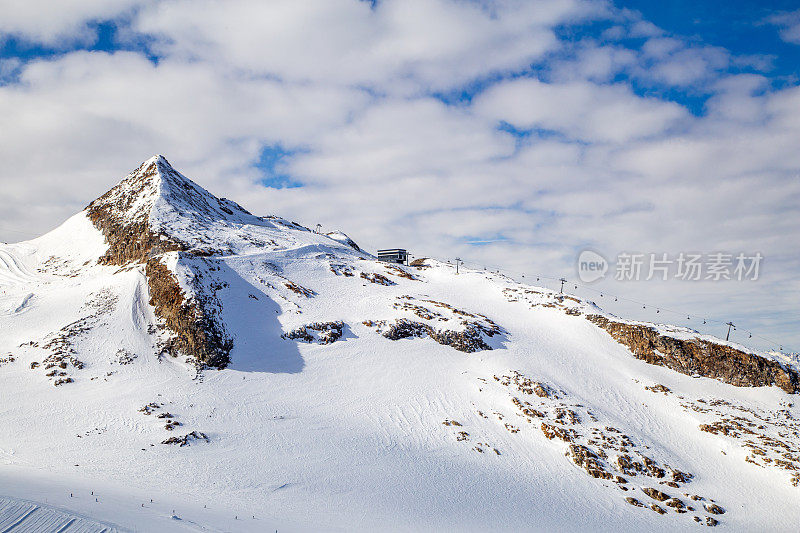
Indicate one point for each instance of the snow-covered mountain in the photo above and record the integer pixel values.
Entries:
(170, 361)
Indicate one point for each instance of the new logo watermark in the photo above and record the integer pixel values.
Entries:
(685, 266)
(591, 266)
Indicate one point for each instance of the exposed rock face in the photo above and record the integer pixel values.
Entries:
(469, 340)
(198, 332)
(319, 332)
(588, 460)
(124, 220)
(552, 431)
(379, 279)
(656, 494)
(125, 217)
(700, 357)
(186, 440)
(143, 213)
(634, 501)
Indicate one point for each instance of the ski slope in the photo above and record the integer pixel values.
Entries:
(29, 517)
(300, 434)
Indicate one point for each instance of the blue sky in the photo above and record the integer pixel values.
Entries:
(510, 133)
(738, 26)
(272, 162)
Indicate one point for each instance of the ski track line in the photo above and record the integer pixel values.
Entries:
(22, 516)
(12, 271)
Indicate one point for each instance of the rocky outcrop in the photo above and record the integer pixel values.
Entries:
(469, 340)
(700, 357)
(123, 216)
(656, 494)
(128, 242)
(125, 224)
(319, 332)
(588, 460)
(380, 279)
(186, 440)
(197, 331)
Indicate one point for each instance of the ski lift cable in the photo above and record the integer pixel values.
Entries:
(509, 273)
(706, 320)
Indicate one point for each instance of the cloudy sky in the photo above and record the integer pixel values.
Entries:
(514, 134)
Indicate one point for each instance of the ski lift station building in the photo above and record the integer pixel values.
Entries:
(393, 255)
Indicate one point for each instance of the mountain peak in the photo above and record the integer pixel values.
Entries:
(157, 217)
(155, 208)
(155, 190)
(158, 158)
(161, 169)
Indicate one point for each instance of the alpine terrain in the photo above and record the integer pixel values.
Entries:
(171, 362)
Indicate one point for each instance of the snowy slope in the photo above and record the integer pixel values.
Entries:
(357, 396)
(24, 517)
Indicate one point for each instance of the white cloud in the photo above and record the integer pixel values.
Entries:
(735, 99)
(788, 24)
(428, 43)
(399, 138)
(644, 28)
(579, 110)
(593, 62)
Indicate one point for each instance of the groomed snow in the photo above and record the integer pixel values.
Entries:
(32, 517)
(345, 436)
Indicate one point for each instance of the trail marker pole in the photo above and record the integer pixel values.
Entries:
(730, 325)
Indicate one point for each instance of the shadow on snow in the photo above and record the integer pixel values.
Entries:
(253, 324)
